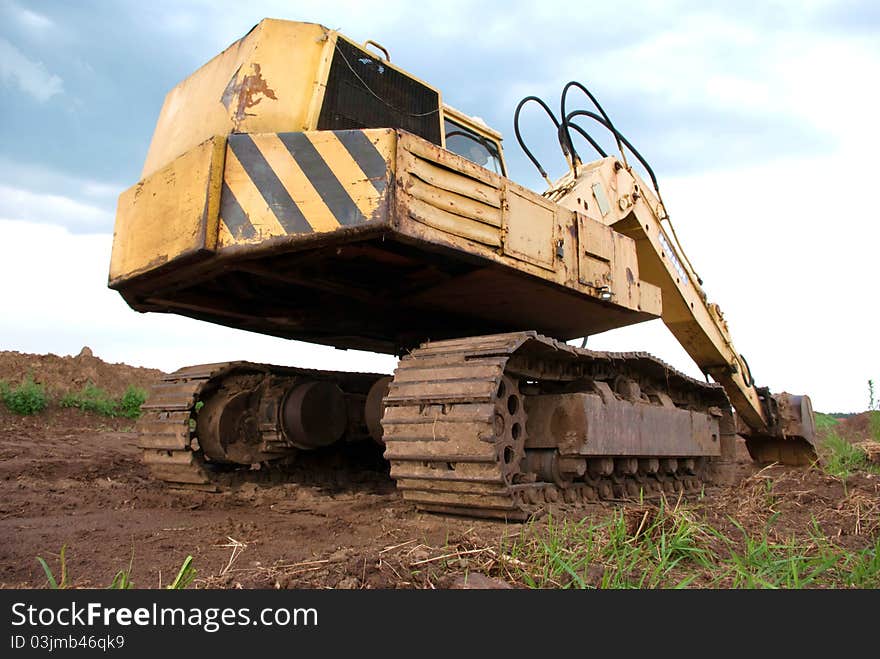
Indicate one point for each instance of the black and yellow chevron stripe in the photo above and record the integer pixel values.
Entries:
(277, 184)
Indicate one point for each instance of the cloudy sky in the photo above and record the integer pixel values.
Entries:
(760, 120)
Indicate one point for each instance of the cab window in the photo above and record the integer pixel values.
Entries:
(472, 146)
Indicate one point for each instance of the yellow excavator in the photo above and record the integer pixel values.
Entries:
(301, 185)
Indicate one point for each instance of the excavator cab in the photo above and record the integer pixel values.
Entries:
(472, 139)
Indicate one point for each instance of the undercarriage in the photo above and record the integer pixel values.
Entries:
(497, 426)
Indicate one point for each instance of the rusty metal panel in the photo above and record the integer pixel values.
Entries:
(460, 200)
(250, 87)
(584, 424)
(446, 159)
(454, 203)
(453, 224)
(529, 228)
(608, 263)
(650, 298)
(595, 252)
(454, 181)
(595, 238)
(170, 215)
(302, 183)
(625, 272)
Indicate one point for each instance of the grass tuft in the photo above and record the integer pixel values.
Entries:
(27, 399)
(668, 547)
(843, 459)
(94, 399)
(757, 561)
(50, 577)
(121, 580)
(875, 424)
(635, 548)
(184, 576)
(131, 401)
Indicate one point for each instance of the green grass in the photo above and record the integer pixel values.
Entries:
(862, 569)
(94, 399)
(663, 548)
(184, 576)
(131, 401)
(842, 459)
(756, 561)
(671, 548)
(121, 580)
(875, 424)
(50, 578)
(27, 399)
(825, 421)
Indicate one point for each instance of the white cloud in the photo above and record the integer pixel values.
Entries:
(20, 204)
(736, 65)
(34, 192)
(38, 177)
(32, 20)
(30, 76)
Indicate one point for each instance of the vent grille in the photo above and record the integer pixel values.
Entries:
(348, 104)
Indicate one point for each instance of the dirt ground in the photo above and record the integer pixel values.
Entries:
(75, 479)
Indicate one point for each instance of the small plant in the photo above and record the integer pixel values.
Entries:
(843, 458)
(94, 399)
(874, 411)
(122, 579)
(53, 584)
(26, 399)
(184, 576)
(192, 421)
(131, 401)
(90, 399)
(862, 569)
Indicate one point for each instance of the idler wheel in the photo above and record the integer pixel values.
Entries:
(227, 428)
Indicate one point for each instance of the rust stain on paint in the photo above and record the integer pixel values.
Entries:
(244, 92)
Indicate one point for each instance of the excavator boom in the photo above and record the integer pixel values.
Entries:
(777, 427)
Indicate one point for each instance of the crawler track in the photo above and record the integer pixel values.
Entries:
(167, 429)
(455, 425)
(165, 432)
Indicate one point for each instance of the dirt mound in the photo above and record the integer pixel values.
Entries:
(856, 428)
(60, 375)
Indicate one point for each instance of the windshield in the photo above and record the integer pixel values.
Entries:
(472, 146)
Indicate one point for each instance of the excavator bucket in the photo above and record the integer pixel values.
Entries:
(793, 438)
